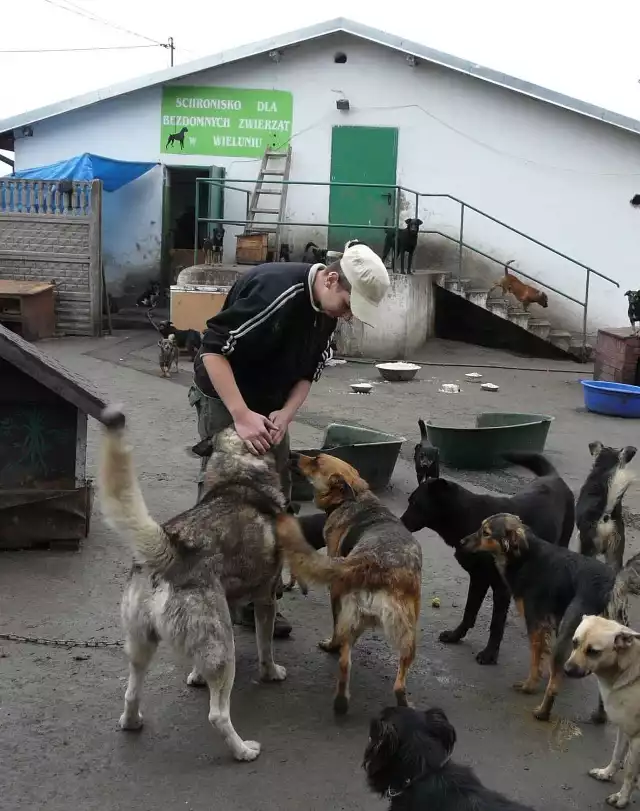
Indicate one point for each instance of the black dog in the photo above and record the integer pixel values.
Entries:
(150, 297)
(553, 589)
(312, 254)
(426, 458)
(177, 137)
(633, 312)
(599, 505)
(546, 505)
(408, 761)
(188, 340)
(285, 253)
(407, 241)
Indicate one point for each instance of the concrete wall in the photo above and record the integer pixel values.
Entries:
(409, 318)
(559, 176)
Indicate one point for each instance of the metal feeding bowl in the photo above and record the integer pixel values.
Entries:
(397, 371)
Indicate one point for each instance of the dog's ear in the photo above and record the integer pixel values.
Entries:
(420, 222)
(160, 343)
(408, 221)
(627, 454)
(440, 729)
(382, 747)
(340, 488)
(595, 448)
(624, 640)
(203, 449)
(515, 536)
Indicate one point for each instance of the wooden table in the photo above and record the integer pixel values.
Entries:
(30, 305)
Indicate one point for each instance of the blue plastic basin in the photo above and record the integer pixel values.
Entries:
(612, 399)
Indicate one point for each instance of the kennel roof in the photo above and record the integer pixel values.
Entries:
(311, 32)
(47, 371)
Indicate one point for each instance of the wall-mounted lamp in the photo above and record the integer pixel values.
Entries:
(342, 104)
(27, 132)
(275, 56)
(411, 61)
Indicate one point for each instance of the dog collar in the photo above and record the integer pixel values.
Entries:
(390, 793)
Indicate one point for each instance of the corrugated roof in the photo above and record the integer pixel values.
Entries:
(338, 25)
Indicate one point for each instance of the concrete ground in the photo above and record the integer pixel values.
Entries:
(58, 708)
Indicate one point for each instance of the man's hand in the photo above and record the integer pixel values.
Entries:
(256, 430)
(280, 420)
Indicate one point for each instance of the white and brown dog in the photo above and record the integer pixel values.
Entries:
(612, 653)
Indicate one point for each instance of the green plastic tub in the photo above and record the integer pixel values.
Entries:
(495, 433)
(372, 453)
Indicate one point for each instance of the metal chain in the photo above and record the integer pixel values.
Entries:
(62, 643)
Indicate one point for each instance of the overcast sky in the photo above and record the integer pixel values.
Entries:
(561, 44)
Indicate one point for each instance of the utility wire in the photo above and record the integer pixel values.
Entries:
(69, 50)
(88, 15)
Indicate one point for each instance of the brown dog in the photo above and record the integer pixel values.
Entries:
(525, 293)
(373, 567)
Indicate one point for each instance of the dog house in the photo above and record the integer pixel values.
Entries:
(45, 496)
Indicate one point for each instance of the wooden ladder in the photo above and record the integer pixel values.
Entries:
(269, 198)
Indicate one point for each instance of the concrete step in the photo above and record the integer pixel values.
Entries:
(498, 306)
(540, 327)
(560, 338)
(455, 286)
(477, 297)
(519, 317)
(584, 353)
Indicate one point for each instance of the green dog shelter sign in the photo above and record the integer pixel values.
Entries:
(228, 121)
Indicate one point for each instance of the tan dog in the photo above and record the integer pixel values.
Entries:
(612, 653)
(525, 293)
(373, 567)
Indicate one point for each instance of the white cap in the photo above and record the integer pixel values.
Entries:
(369, 281)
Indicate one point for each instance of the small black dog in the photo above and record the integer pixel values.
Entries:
(599, 506)
(426, 458)
(408, 761)
(547, 505)
(285, 253)
(188, 340)
(633, 297)
(407, 241)
(150, 297)
(312, 254)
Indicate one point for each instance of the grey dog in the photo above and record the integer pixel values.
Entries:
(187, 571)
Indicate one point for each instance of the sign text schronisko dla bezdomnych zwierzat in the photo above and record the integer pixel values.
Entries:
(229, 121)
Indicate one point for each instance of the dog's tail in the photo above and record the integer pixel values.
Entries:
(310, 566)
(507, 266)
(310, 245)
(423, 429)
(535, 462)
(121, 499)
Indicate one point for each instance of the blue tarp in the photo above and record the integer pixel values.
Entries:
(113, 174)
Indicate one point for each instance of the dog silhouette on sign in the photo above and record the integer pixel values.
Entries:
(177, 136)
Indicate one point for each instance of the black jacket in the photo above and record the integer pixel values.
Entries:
(271, 334)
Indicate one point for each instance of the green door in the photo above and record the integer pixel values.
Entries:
(362, 155)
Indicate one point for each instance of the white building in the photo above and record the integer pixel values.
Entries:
(552, 167)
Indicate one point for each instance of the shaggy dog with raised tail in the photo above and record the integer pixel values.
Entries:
(188, 571)
(373, 567)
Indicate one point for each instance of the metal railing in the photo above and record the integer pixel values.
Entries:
(397, 191)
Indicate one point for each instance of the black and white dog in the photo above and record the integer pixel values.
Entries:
(599, 506)
(407, 242)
